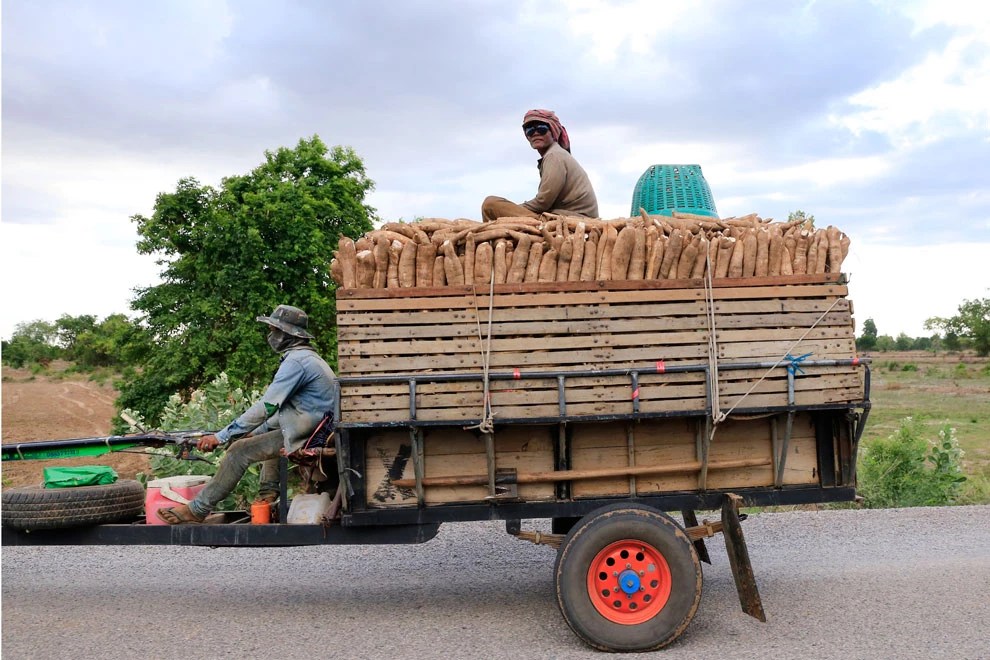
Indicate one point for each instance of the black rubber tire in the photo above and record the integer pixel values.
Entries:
(598, 530)
(36, 507)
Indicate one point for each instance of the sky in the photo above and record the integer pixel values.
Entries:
(873, 116)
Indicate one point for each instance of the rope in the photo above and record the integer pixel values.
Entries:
(712, 341)
(487, 424)
(787, 355)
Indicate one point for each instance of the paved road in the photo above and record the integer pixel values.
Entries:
(839, 584)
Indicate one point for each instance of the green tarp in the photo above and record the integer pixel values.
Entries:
(83, 475)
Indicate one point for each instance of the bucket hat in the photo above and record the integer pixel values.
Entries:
(288, 319)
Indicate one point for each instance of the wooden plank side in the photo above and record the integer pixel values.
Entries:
(550, 336)
(671, 441)
(809, 390)
(596, 285)
(618, 321)
(450, 452)
(600, 357)
(481, 301)
(548, 312)
(529, 449)
(656, 442)
(359, 325)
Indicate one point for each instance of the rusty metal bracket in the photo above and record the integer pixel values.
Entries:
(708, 530)
(742, 569)
(506, 488)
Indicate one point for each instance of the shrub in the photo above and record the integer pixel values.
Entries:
(906, 470)
(211, 408)
(910, 366)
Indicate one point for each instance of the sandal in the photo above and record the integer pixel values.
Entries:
(267, 496)
(179, 515)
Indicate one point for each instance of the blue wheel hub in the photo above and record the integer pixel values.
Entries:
(629, 582)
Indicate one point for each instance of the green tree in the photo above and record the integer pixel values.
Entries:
(868, 340)
(232, 253)
(971, 322)
(114, 342)
(801, 215)
(885, 343)
(903, 342)
(70, 327)
(34, 342)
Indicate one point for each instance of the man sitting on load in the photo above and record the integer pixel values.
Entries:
(564, 185)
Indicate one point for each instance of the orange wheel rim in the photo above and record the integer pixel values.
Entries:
(629, 582)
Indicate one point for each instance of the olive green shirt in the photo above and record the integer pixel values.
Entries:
(564, 186)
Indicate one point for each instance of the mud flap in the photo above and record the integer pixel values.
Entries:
(742, 569)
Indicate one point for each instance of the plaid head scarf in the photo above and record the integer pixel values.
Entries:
(557, 130)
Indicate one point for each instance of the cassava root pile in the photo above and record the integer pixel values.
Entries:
(436, 252)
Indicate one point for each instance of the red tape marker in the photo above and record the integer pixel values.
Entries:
(660, 367)
(635, 394)
(515, 373)
(856, 361)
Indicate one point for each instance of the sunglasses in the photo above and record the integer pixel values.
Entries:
(536, 129)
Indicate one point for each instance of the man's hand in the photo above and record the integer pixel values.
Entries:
(207, 443)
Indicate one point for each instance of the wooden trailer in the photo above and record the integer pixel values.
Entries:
(601, 406)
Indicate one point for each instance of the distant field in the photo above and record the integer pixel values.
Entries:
(936, 389)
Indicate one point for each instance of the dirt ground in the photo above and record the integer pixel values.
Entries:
(45, 408)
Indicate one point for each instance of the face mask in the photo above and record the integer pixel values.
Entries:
(278, 340)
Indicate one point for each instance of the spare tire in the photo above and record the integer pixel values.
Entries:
(36, 507)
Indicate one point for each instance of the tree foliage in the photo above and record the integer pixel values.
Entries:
(116, 341)
(232, 253)
(802, 216)
(906, 469)
(211, 407)
(32, 342)
(971, 322)
(868, 340)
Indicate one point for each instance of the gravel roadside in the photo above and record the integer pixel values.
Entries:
(904, 583)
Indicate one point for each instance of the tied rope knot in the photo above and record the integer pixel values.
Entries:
(795, 363)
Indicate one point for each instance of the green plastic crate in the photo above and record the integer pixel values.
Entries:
(663, 189)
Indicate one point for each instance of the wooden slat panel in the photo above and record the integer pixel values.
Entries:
(597, 285)
(549, 312)
(589, 326)
(455, 452)
(481, 301)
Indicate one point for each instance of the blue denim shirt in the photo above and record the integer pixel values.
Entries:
(303, 390)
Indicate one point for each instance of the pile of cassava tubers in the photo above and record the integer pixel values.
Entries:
(437, 252)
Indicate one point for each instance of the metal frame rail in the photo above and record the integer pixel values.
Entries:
(417, 524)
(351, 455)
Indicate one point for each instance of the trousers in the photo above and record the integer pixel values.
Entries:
(494, 208)
(240, 455)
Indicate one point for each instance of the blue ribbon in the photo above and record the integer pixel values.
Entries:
(795, 363)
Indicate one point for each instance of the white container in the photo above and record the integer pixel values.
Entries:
(308, 509)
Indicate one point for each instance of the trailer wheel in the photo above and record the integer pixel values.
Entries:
(627, 579)
(36, 507)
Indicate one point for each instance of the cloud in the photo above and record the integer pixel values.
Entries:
(869, 115)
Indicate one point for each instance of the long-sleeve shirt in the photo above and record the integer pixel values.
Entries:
(303, 390)
(564, 186)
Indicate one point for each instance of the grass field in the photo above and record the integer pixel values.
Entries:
(937, 389)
